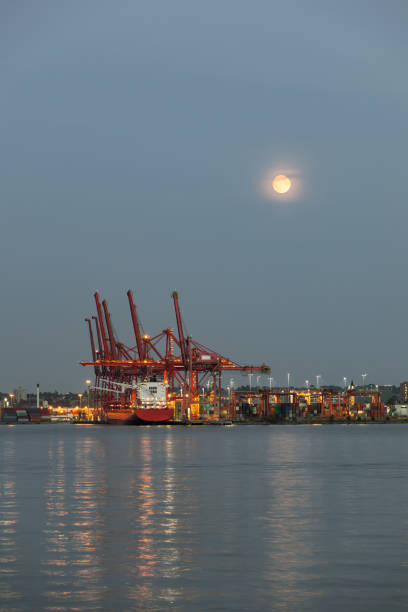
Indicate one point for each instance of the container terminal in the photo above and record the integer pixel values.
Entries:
(264, 405)
(171, 378)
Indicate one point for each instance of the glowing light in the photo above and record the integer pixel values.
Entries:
(281, 183)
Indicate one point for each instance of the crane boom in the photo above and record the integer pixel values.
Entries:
(135, 322)
(182, 340)
(101, 326)
(91, 339)
(110, 330)
(98, 333)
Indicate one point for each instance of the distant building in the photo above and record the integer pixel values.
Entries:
(20, 395)
(404, 392)
(399, 410)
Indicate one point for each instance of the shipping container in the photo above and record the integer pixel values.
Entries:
(9, 415)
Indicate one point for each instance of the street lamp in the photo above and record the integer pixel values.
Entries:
(307, 384)
(80, 400)
(363, 376)
(345, 382)
(11, 395)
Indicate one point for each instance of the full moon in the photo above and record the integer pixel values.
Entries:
(281, 183)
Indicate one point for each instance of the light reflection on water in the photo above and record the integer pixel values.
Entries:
(9, 565)
(243, 518)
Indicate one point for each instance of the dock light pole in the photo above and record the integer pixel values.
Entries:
(80, 400)
(318, 377)
(270, 382)
(250, 375)
(38, 396)
(288, 380)
(363, 376)
(258, 378)
(11, 395)
(232, 381)
(88, 384)
(307, 384)
(345, 382)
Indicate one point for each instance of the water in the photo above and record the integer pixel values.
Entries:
(211, 518)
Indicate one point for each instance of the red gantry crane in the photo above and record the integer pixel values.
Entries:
(125, 375)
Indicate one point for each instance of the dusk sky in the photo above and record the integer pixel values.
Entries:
(136, 137)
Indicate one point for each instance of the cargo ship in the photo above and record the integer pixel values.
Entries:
(149, 405)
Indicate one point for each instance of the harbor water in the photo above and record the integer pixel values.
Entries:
(203, 518)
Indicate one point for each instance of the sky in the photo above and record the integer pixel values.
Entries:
(135, 139)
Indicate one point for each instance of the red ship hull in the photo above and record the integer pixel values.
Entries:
(154, 415)
(140, 416)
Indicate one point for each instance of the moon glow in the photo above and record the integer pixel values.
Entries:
(281, 183)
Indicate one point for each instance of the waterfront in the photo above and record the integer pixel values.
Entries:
(206, 518)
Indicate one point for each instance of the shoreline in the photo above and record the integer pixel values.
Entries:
(229, 423)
